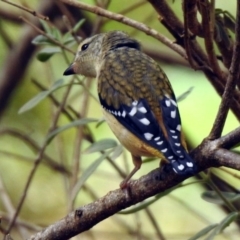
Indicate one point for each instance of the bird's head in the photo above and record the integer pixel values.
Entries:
(91, 52)
(87, 57)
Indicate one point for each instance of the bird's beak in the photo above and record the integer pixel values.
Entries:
(69, 70)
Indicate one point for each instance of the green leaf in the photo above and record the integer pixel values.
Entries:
(57, 34)
(47, 52)
(76, 123)
(87, 173)
(33, 102)
(222, 33)
(203, 232)
(223, 224)
(46, 26)
(41, 40)
(39, 97)
(138, 207)
(149, 159)
(226, 222)
(229, 22)
(147, 203)
(184, 95)
(100, 122)
(218, 11)
(68, 40)
(101, 145)
(213, 197)
(78, 25)
(117, 152)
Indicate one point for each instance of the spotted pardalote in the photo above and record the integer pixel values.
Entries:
(137, 99)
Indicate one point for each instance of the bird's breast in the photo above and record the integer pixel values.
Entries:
(129, 140)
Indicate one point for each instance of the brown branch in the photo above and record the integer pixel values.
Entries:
(206, 155)
(208, 25)
(5, 36)
(34, 13)
(198, 54)
(9, 16)
(20, 55)
(89, 215)
(35, 147)
(19, 58)
(232, 79)
(47, 36)
(161, 7)
(190, 10)
(166, 12)
(155, 182)
(187, 34)
(165, 57)
(227, 158)
(133, 7)
(226, 49)
(128, 21)
(230, 140)
(39, 158)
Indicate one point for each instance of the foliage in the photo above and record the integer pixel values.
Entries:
(64, 149)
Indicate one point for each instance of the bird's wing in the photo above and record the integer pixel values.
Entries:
(146, 108)
(139, 120)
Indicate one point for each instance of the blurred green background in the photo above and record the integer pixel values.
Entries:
(180, 214)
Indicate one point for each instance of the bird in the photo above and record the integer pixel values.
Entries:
(137, 99)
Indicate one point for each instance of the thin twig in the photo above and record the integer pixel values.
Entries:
(149, 185)
(208, 24)
(78, 143)
(232, 79)
(187, 35)
(130, 22)
(47, 36)
(35, 147)
(38, 159)
(190, 10)
(33, 12)
(229, 140)
(230, 172)
(155, 224)
(7, 203)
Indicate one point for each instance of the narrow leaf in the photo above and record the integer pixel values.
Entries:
(40, 96)
(47, 53)
(101, 145)
(184, 95)
(41, 40)
(87, 173)
(139, 207)
(33, 102)
(222, 34)
(203, 232)
(80, 122)
(226, 222)
(117, 152)
(147, 203)
(46, 26)
(78, 25)
(68, 40)
(57, 34)
(213, 197)
(149, 159)
(222, 225)
(229, 22)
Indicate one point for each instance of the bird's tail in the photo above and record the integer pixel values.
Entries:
(184, 165)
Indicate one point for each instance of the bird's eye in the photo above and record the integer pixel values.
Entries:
(84, 46)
